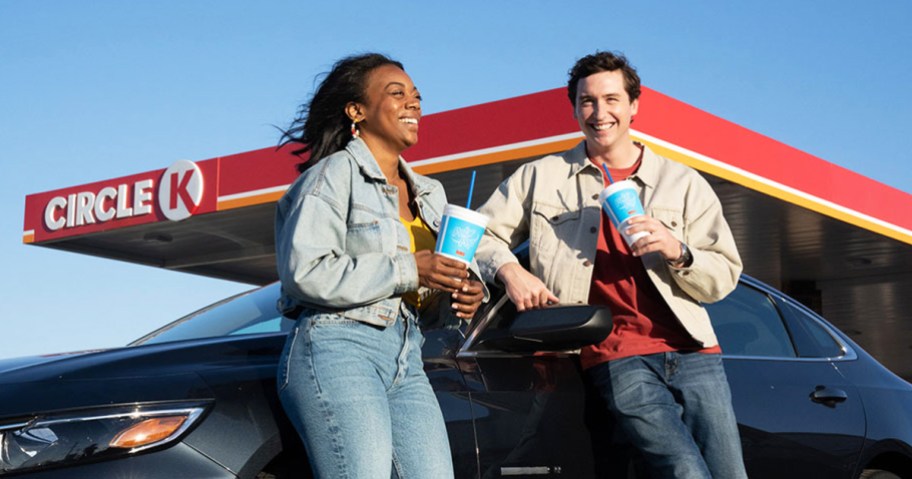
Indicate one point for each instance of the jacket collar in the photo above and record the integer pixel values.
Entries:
(371, 169)
(578, 159)
(647, 173)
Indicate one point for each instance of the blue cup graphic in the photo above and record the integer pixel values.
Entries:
(620, 201)
(460, 233)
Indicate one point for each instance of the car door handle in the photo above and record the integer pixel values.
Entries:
(829, 396)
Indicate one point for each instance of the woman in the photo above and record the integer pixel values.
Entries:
(354, 240)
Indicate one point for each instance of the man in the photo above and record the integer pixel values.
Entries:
(660, 370)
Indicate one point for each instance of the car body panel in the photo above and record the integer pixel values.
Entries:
(511, 407)
(178, 462)
(522, 406)
(801, 438)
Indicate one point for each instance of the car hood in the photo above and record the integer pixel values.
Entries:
(141, 361)
(159, 372)
(14, 364)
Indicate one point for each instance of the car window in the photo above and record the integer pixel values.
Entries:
(748, 323)
(812, 338)
(249, 313)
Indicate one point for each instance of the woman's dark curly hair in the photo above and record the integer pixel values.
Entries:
(321, 125)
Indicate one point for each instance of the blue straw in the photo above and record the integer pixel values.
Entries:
(610, 179)
(471, 189)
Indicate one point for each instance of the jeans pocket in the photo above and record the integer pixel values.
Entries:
(285, 359)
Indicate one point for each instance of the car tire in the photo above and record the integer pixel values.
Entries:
(877, 474)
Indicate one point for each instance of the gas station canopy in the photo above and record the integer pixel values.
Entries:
(833, 239)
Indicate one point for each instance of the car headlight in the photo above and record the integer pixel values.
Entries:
(55, 439)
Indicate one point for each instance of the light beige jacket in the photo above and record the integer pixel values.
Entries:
(553, 202)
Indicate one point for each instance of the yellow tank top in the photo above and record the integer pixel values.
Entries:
(421, 239)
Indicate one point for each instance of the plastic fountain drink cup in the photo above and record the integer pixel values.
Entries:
(621, 202)
(460, 232)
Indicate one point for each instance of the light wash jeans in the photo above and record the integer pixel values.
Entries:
(676, 409)
(360, 399)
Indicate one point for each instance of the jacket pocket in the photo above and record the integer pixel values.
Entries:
(672, 219)
(550, 226)
(363, 238)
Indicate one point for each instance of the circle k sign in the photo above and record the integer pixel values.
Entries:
(180, 193)
(180, 190)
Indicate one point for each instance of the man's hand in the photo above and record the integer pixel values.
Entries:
(524, 288)
(659, 240)
(467, 300)
(439, 272)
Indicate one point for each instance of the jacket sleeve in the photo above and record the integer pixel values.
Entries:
(508, 225)
(716, 263)
(313, 264)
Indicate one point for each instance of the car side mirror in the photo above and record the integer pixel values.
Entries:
(557, 328)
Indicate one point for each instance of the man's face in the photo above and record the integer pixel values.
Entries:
(604, 110)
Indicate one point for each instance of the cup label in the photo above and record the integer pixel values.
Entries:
(622, 205)
(459, 238)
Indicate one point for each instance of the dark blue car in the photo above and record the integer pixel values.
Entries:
(197, 399)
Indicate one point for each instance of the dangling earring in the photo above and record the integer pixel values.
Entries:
(354, 130)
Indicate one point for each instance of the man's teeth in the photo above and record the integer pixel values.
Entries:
(413, 121)
(604, 126)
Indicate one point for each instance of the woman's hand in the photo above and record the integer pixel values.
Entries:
(467, 300)
(440, 272)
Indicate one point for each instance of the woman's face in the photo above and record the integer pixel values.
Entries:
(392, 109)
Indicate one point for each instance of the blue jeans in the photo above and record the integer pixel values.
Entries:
(360, 400)
(676, 409)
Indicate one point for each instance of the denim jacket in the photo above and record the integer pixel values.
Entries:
(553, 202)
(340, 246)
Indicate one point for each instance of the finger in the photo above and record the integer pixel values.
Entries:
(472, 287)
(466, 315)
(515, 299)
(643, 245)
(450, 271)
(461, 308)
(526, 304)
(469, 300)
(443, 284)
(652, 232)
(451, 263)
(544, 298)
(468, 308)
(636, 228)
(449, 280)
(637, 220)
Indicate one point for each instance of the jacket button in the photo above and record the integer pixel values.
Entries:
(587, 263)
(555, 218)
(593, 230)
(674, 223)
(595, 196)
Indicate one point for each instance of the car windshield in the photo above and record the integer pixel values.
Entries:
(252, 312)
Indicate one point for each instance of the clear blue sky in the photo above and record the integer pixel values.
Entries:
(93, 90)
